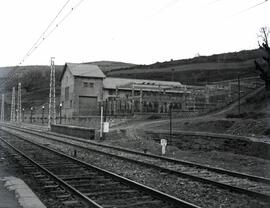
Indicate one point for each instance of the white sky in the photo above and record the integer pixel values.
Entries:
(134, 31)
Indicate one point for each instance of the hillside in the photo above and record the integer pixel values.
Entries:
(36, 79)
(107, 66)
(198, 70)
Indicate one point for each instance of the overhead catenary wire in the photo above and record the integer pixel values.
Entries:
(46, 34)
(43, 37)
(252, 7)
(34, 46)
(57, 25)
(47, 28)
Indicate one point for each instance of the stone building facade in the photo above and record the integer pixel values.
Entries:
(84, 86)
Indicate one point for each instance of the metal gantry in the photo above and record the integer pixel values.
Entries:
(19, 104)
(13, 114)
(52, 113)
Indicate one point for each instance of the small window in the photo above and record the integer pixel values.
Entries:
(66, 93)
(85, 84)
(88, 84)
(110, 92)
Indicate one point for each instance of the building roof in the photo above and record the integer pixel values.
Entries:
(112, 83)
(83, 70)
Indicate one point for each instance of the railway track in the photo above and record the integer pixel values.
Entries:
(74, 183)
(258, 187)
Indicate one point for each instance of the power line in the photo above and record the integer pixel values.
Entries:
(56, 26)
(252, 7)
(43, 37)
(47, 28)
(13, 72)
(34, 46)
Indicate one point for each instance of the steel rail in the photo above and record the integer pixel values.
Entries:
(259, 195)
(136, 185)
(184, 162)
(74, 191)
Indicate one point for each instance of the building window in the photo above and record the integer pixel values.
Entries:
(88, 84)
(66, 93)
(110, 92)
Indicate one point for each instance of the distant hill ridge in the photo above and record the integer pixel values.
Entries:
(229, 57)
(196, 71)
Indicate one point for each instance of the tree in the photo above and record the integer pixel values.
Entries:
(263, 65)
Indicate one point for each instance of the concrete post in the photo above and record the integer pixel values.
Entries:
(141, 94)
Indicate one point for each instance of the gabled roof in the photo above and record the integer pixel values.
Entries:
(83, 70)
(112, 82)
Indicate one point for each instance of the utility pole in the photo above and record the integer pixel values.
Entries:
(3, 108)
(12, 114)
(23, 115)
(60, 113)
(52, 95)
(239, 93)
(31, 115)
(19, 104)
(43, 108)
(133, 101)
(170, 123)
(101, 120)
(101, 115)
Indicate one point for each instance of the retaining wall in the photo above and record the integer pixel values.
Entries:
(208, 142)
(75, 131)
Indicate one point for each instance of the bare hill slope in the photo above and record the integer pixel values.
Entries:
(198, 70)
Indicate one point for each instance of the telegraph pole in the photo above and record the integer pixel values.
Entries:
(12, 114)
(3, 108)
(170, 142)
(19, 104)
(239, 93)
(133, 101)
(101, 121)
(52, 95)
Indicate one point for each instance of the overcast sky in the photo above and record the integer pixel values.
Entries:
(133, 31)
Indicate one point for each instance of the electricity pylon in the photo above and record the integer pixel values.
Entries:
(52, 113)
(19, 104)
(12, 114)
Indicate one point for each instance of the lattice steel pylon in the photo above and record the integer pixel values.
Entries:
(3, 108)
(12, 114)
(19, 104)
(52, 113)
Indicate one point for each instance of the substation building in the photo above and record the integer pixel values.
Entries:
(84, 88)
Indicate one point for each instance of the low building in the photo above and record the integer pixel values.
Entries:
(84, 86)
(81, 89)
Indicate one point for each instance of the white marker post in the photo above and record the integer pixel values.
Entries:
(163, 143)
(105, 127)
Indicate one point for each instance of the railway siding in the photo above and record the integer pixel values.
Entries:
(91, 181)
(132, 172)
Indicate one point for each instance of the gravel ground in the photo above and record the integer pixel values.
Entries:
(201, 194)
(234, 162)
